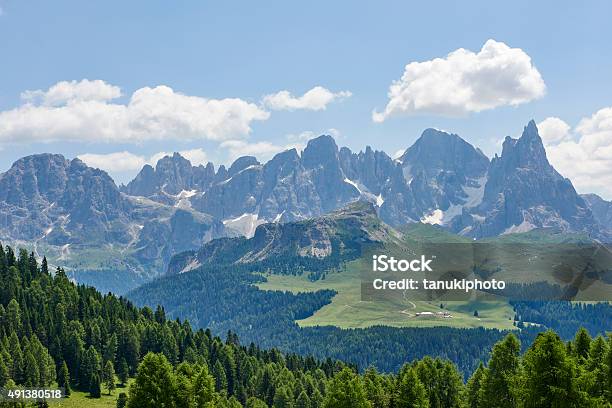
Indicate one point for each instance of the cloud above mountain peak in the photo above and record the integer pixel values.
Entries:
(84, 111)
(584, 153)
(463, 82)
(315, 99)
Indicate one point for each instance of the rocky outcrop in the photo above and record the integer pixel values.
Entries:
(523, 192)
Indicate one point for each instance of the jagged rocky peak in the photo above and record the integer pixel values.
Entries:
(526, 152)
(32, 178)
(174, 174)
(242, 163)
(320, 150)
(523, 192)
(48, 197)
(171, 175)
(445, 173)
(437, 150)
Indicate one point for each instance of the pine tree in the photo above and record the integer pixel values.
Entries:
(94, 387)
(203, 387)
(108, 376)
(374, 388)
(31, 371)
(155, 383)
(44, 267)
(254, 402)
(550, 375)
(63, 378)
(608, 383)
(110, 349)
(123, 373)
(90, 366)
(220, 377)
(5, 374)
(499, 387)
(473, 388)
(13, 317)
(346, 390)
(302, 401)
(282, 398)
(411, 392)
(582, 344)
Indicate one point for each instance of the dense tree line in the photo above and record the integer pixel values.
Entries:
(565, 318)
(224, 298)
(53, 332)
(550, 374)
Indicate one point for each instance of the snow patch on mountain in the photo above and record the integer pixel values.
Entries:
(183, 198)
(365, 193)
(434, 218)
(440, 217)
(244, 224)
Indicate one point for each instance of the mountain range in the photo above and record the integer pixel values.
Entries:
(66, 209)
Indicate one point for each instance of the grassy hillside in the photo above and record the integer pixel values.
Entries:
(347, 310)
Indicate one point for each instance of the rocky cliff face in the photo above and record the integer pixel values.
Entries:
(523, 192)
(48, 197)
(337, 235)
(439, 168)
(172, 179)
(288, 187)
(70, 209)
(601, 209)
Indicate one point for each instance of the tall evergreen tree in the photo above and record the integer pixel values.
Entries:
(473, 387)
(500, 381)
(63, 378)
(411, 392)
(582, 344)
(31, 371)
(95, 390)
(282, 398)
(155, 383)
(220, 377)
(346, 390)
(108, 376)
(550, 379)
(302, 401)
(123, 372)
(204, 387)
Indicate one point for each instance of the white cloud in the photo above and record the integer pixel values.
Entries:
(66, 92)
(553, 130)
(195, 156)
(124, 161)
(82, 111)
(117, 162)
(263, 151)
(465, 82)
(315, 99)
(306, 135)
(587, 159)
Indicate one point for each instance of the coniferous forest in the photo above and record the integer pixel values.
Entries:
(54, 333)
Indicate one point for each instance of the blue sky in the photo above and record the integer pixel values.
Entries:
(246, 50)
